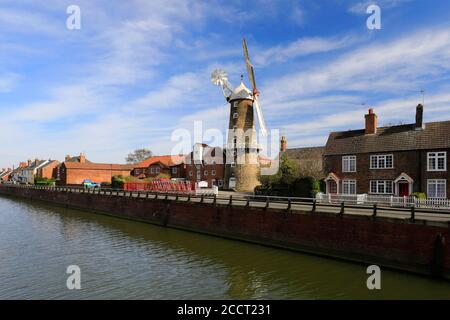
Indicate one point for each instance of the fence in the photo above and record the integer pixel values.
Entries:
(167, 186)
(392, 201)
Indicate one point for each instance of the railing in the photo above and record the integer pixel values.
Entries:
(287, 204)
(391, 201)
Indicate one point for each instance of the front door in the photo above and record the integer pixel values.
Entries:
(403, 189)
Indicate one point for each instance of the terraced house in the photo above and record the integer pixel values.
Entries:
(395, 160)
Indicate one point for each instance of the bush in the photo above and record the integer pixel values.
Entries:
(306, 187)
(419, 195)
(44, 182)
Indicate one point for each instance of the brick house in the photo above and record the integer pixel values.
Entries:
(5, 174)
(206, 163)
(172, 166)
(48, 170)
(395, 160)
(75, 170)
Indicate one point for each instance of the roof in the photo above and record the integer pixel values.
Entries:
(305, 153)
(76, 159)
(435, 135)
(168, 161)
(241, 92)
(97, 166)
(35, 164)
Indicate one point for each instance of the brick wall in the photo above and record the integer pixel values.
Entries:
(413, 163)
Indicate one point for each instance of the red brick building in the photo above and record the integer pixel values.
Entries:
(75, 170)
(48, 171)
(206, 163)
(395, 160)
(172, 166)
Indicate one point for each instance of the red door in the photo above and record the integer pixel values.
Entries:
(403, 189)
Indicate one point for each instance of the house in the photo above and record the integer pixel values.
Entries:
(20, 173)
(75, 170)
(48, 170)
(171, 166)
(394, 160)
(5, 174)
(206, 163)
(30, 171)
(309, 160)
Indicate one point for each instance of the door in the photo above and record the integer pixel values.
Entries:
(332, 187)
(403, 189)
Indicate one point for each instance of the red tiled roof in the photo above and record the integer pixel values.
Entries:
(167, 161)
(97, 166)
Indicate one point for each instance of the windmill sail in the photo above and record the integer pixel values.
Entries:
(250, 71)
(251, 76)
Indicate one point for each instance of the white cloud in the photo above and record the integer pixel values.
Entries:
(361, 7)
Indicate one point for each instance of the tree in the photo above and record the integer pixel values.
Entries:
(138, 155)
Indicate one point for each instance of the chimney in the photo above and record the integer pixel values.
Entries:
(419, 117)
(371, 122)
(36, 161)
(67, 158)
(82, 158)
(29, 162)
(283, 144)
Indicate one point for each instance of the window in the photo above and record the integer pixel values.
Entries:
(437, 189)
(349, 164)
(205, 173)
(213, 172)
(158, 169)
(437, 161)
(174, 170)
(382, 161)
(152, 170)
(233, 164)
(190, 173)
(235, 115)
(349, 186)
(381, 186)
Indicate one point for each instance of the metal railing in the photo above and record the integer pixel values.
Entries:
(286, 204)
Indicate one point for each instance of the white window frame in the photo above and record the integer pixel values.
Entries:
(213, 172)
(191, 173)
(205, 173)
(152, 170)
(378, 183)
(378, 157)
(436, 156)
(174, 170)
(235, 115)
(435, 182)
(347, 185)
(347, 162)
(158, 170)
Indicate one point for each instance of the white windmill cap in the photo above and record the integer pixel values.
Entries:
(241, 93)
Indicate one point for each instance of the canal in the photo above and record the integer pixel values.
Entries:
(122, 259)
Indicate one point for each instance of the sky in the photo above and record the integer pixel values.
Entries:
(137, 71)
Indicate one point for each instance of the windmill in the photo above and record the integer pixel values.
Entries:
(242, 166)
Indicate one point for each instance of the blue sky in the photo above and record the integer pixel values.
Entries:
(137, 70)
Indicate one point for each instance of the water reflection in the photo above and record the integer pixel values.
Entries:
(125, 259)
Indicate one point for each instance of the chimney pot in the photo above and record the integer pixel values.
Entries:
(371, 122)
(419, 117)
(283, 144)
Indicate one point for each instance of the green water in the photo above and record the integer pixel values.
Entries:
(122, 259)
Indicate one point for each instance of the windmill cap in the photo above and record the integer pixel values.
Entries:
(241, 93)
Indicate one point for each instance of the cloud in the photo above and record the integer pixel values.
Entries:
(303, 47)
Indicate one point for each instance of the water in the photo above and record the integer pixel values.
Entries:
(122, 259)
